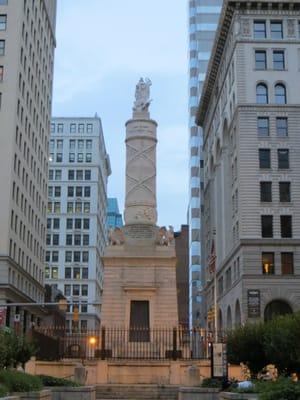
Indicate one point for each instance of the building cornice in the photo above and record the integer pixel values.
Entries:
(228, 9)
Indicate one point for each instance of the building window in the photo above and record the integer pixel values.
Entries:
(68, 273)
(77, 257)
(268, 267)
(70, 207)
(85, 256)
(267, 226)
(87, 191)
(3, 20)
(284, 192)
(77, 223)
(260, 59)
(79, 175)
(52, 129)
(261, 94)
(69, 223)
(80, 144)
(89, 144)
(266, 191)
(88, 157)
(2, 47)
(60, 128)
(283, 159)
(81, 128)
(72, 157)
(84, 290)
(72, 129)
(55, 240)
(86, 240)
(67, 290)
(78, 191)
(71, 175)
(76, 290)
(54, 273)
(287, 263)
(86, 223)
(87, 175)
(72, 144)
(286, 226)
(1, 73)
(59, 157)
(57, 191)
(68, 256)
(55, 256)
(47, 256)
(263, 126)
(77, 240)
(76, 273)
(56, 223)
(276, 30)
(80, 157)
(280, 94)
(89, 128)
(282, 126)
(59, 144)
(278, 60)
(69, 240)
(85, 273)
(264, 158)
(260, 30)
(70, 191)
(58, 175)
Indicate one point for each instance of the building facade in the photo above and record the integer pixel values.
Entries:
(203, 20)
(76, 217)
(182, 274)
(249, 111)
(27, 42)
(114, 217)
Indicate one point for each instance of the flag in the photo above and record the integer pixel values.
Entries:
(212, 259)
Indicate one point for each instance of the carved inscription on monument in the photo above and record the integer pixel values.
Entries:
(139, 232)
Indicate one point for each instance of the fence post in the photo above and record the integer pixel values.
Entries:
(174, 353)
(103, 343)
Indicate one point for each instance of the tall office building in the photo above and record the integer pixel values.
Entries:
(27, 42)
(203, 21)
(250, 112)
(114, 217)
(76, 218)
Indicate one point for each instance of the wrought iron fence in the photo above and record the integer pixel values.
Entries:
(130, 344)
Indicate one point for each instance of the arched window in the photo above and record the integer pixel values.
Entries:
(262, 94)
(280, 94)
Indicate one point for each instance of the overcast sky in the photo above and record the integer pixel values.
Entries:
(103, 48)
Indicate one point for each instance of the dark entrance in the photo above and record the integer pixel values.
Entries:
(276, 308)
(139, 321)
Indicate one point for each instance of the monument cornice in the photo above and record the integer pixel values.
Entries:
(141, 120)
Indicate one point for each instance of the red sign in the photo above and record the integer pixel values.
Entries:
(2, 316)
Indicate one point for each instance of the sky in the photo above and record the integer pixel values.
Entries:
(103, 48)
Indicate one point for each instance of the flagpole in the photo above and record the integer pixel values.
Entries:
(215, 294)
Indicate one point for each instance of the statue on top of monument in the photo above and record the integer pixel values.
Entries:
(142, 95)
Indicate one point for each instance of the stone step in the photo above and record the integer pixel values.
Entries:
(136, 392)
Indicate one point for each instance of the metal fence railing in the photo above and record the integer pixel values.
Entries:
(119, 343)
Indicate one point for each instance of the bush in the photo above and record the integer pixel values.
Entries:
(3, 390)
(14, 349)
(212, 383)
(245, 344)
(282, 344)
(283, 388)
(16, 381)
(52, 381)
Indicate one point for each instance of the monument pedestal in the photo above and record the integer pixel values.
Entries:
(140, 269)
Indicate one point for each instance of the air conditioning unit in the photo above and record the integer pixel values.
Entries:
(17, 318)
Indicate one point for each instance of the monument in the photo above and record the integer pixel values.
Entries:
(139, 263)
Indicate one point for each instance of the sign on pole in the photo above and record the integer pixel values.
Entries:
(253, 300)
(2, 316)
(219, 360)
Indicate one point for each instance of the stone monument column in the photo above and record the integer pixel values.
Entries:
(140, 200)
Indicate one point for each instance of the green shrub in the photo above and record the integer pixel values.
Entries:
(283, 388)
(245, 344)
(212, 383)
(3, 390)
(16, 381)
(14, 349)
(282, 344)
(52, 381)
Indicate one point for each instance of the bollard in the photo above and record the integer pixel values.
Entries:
(80, 374)
(192, 376)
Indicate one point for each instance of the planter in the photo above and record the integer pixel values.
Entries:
(10, 398)
(40, 395)
(238, 396)
(198, 393)
(73, 393)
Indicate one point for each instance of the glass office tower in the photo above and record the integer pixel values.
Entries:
(203, 22)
